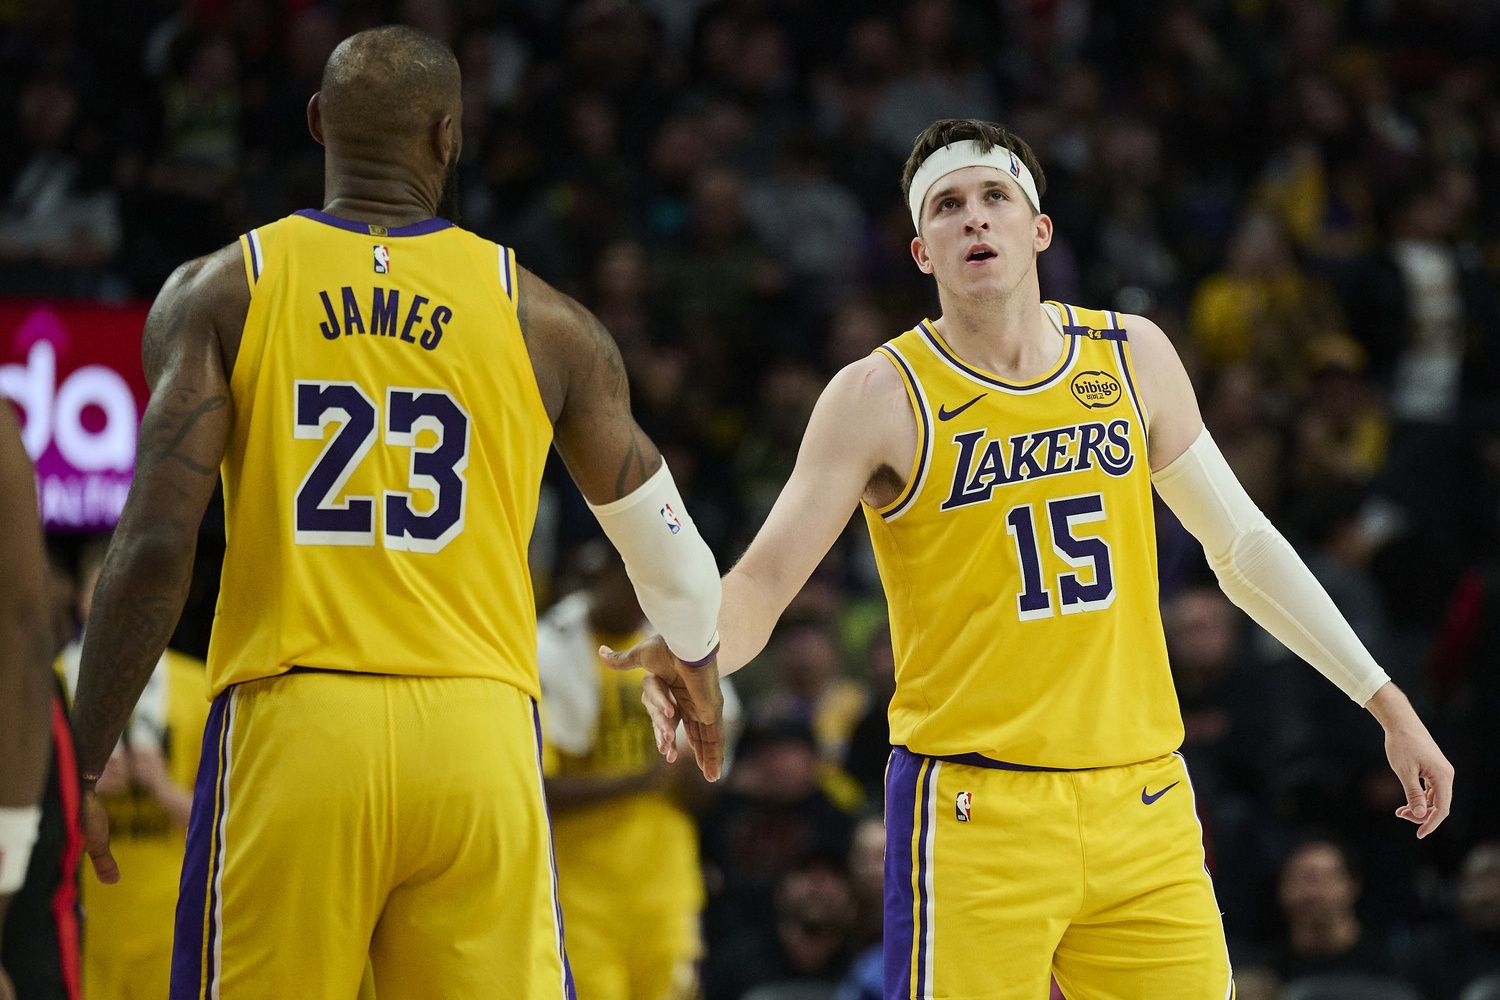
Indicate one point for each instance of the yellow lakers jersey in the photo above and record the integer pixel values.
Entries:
(381, 478)
(1019, 562)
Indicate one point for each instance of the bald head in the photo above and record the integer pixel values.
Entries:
(388, 84)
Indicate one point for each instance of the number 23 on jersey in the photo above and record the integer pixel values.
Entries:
(324, 516)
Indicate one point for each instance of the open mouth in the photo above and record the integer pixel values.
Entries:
(980, 253)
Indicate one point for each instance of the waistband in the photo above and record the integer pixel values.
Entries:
(979, 760)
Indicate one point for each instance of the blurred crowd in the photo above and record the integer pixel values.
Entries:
(1304, 193)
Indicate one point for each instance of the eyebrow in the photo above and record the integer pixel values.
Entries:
(950, 191)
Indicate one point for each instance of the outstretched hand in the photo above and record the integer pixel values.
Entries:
(674, 691)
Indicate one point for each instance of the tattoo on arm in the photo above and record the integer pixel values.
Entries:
(632, 467)
(163, 435)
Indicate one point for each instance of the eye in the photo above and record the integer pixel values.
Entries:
(997, 193)
(947, 203)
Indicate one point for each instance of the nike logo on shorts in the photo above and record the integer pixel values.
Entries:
(1150, 797)
(946, 414)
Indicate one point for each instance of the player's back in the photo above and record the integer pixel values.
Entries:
(381, 478)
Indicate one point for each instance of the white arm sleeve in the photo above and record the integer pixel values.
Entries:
(673, 571)
(1260, 571)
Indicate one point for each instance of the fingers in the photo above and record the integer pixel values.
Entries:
(659, 706)
(1439, 800)
(104, 862)
(1434, 802)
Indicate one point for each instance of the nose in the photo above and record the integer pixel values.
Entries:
(975, 222)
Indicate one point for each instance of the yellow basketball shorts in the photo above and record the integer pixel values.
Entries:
(349, 823)
(996, 879)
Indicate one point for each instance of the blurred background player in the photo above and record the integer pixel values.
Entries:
(147, 792)
(380, 389)
(634, 928)
(39, 840)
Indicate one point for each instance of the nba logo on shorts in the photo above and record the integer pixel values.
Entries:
(669, 516)
(961, 806)
(382, 259)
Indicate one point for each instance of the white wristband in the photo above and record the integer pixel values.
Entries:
(671, 567)
(18, 831)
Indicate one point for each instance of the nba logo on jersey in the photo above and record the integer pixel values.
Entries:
(382, 259)
(670, 517)
(961, 806)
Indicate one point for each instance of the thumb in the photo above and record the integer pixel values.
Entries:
(627, 660)
(1416, 796)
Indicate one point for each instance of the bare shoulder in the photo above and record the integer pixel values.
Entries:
(567, 344)
(870, 387)
(1171, 403)
(204, 301)
(864, 418)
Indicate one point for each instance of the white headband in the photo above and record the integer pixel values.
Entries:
(958, 155)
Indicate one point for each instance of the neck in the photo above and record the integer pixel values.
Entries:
(1333, 935)
(1010, 336)
(375, 191)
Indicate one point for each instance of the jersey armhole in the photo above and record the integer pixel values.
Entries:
(254, 256)
(1122, 351)
(507, 264)
(918, 472)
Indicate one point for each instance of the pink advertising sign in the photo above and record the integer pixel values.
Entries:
(73, 372)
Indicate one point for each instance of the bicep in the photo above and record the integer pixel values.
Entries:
(185, 428)
(834, 465)
(584, 386)
(1166, 392)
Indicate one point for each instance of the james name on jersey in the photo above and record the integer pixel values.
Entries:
(385, 314)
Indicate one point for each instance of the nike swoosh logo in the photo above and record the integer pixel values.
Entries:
(1150, 797)
(946, 414)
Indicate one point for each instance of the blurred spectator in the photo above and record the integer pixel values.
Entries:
(612, 801)
(1318, 890)
(772, 818)
(1343, 429)
(810, 686)
(1261, 308)
(813, 918)
(1448, 958)
(869, 745)
(60, 220)
(147, 791)
(1237, 410)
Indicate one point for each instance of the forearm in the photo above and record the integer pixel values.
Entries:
(1391, 708)
(137, 603)
(746, 620)
(24, 730)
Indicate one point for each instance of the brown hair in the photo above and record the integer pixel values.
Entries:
(946, 131)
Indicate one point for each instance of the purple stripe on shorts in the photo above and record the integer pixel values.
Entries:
(570, 991)
(187, 944)
(900, 805)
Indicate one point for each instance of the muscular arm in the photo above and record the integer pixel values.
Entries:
(584, 387)
(146, 573)
(25, 680)
(861, 425)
